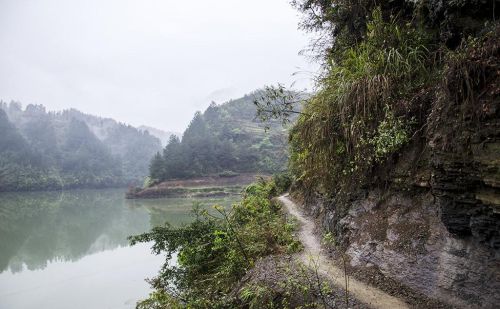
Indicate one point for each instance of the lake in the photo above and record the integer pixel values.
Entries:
(70, 250)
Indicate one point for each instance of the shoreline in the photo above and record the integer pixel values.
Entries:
(207, 186)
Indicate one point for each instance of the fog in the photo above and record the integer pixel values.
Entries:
(151, 62)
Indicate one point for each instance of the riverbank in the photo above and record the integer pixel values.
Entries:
(208, 186)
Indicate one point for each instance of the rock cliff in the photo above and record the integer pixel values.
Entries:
(430, 216)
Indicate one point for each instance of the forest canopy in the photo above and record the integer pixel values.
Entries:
(45, 150)
(225, 139)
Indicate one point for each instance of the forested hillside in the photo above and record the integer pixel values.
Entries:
(226, 138)
(47, 150)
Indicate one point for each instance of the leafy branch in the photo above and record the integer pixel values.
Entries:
(277, 103)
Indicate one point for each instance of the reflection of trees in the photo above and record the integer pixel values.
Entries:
(19, 216)
(36, 228)
(39, 227)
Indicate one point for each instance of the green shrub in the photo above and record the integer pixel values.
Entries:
(282, 181)
(288, 284)
(392, 133)
(216, 250)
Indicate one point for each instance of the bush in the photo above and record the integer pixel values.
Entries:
(148, 182)
(392, 133)
(282, 181)
(217, 249)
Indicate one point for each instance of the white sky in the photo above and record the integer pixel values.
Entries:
(152, 62)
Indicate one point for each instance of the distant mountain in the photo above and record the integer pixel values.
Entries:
(69, 149)
(164, 136)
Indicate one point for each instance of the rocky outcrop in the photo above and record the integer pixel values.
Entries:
(431, 218)
(404, 235)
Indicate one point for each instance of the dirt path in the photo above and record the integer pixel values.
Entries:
(314, 257)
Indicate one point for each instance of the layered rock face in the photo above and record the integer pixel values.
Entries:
(402, 234)
(432, 221)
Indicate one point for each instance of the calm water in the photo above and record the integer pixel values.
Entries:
(70, 249)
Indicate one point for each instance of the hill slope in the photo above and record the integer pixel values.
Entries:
(225, 138)
(47, 150)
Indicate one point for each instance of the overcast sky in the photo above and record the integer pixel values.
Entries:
(151, 62)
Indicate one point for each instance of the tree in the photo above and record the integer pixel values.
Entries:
(199, 144)
(156, 168)
(175, 161)
(275, 102)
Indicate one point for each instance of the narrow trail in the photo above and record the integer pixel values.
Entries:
(314, 257)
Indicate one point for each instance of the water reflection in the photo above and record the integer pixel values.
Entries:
(37, 228)
(58, 247)
(42, 227)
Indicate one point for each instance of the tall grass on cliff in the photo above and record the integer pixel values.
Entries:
(215, 251)
(381, 66)
(355, 118)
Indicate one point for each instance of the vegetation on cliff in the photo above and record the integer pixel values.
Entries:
(383, 67)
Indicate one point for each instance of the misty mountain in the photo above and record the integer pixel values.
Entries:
(164, 136)
(69, 149)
